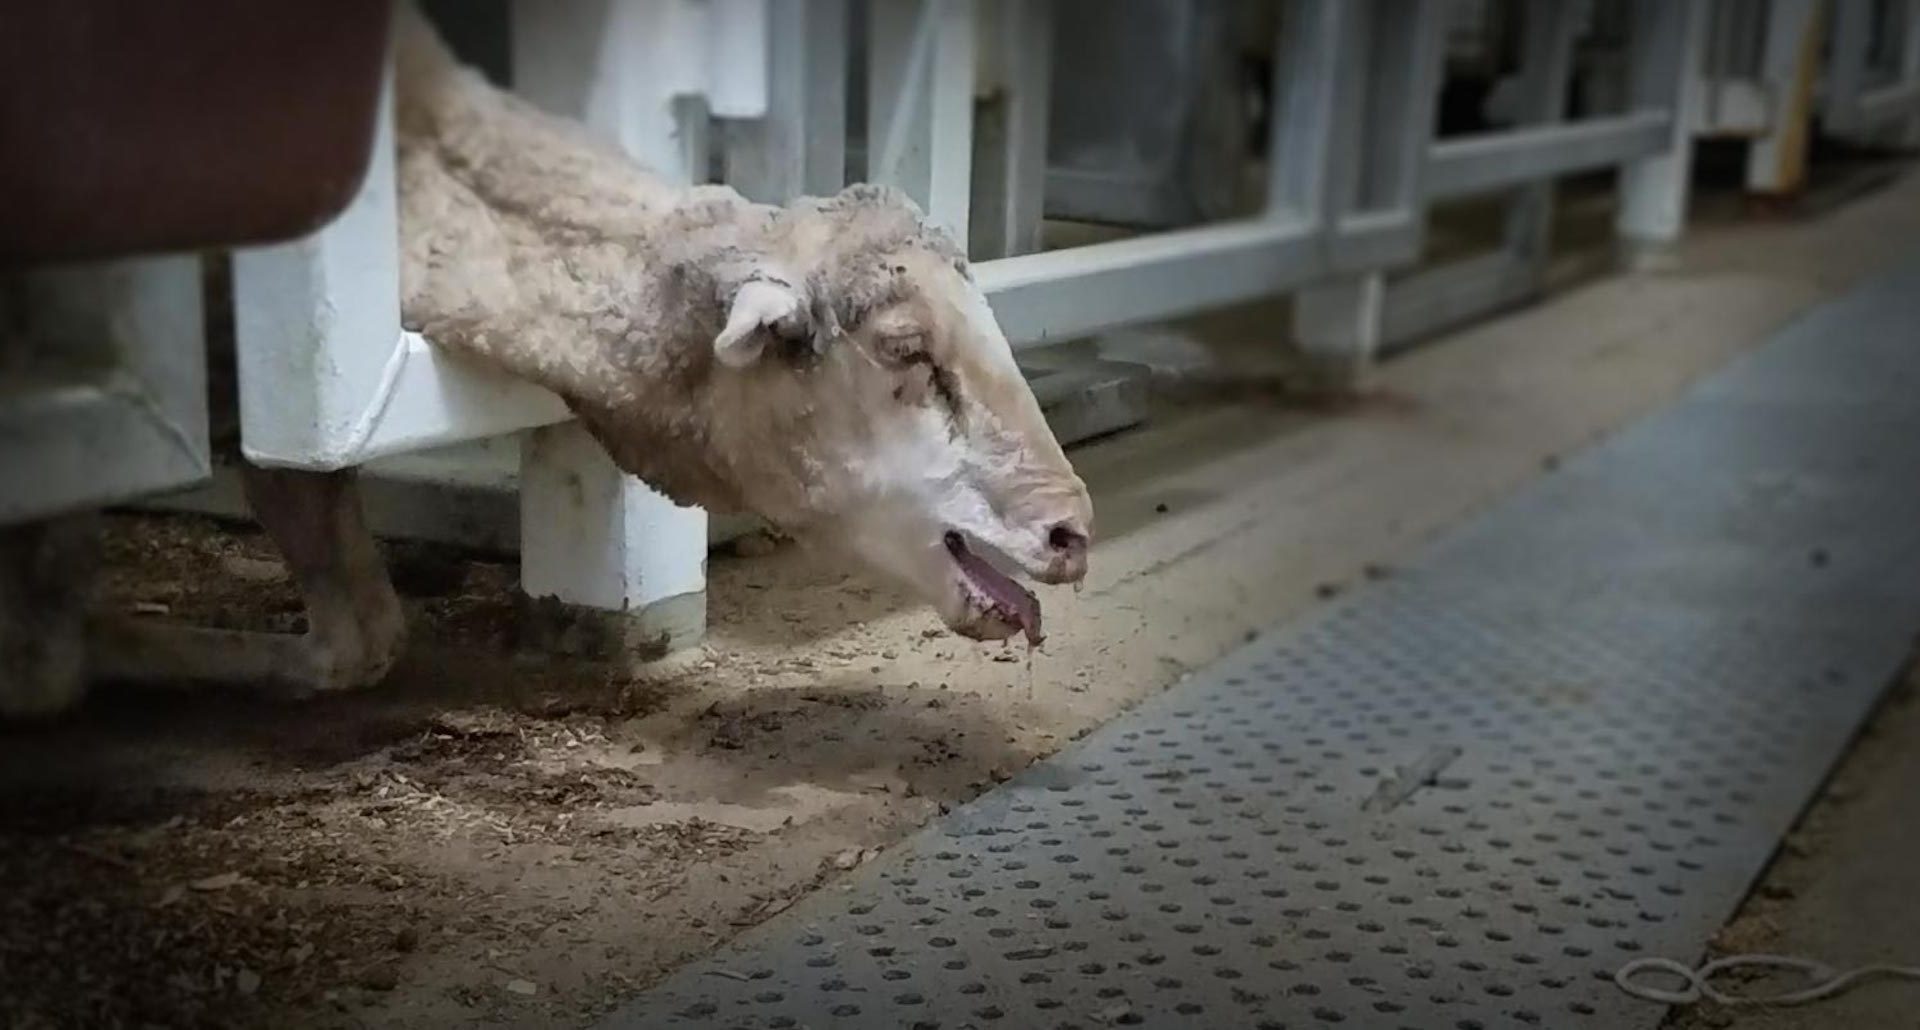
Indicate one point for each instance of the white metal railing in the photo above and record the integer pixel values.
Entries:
(103, 393)
(1481, 164)
(1349, 176)
(1863, 97)
(1648, 142)
(329, 379)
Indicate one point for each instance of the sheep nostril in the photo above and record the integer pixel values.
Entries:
(1064, 537)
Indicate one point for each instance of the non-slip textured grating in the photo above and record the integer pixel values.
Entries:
(1646, 662)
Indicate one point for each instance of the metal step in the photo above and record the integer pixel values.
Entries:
(1568, 736)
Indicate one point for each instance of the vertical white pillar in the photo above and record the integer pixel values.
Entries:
(632, 70)
(1320, 85)
(1010, 137)
(1907, 130)
(798, 145)
(316, 321)
(1846, 78)
(1337, 325)
(1377, 63)
(1546, 70)
(1667, 36)
(920, 105)
(1789, 69)
(594, 539)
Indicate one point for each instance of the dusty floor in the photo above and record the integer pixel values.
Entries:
(491, 839)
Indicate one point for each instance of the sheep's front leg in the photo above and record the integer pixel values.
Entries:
(45, 570)
(355, 625)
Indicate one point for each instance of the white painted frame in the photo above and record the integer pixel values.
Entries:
(329, 380)
(1305, 233)
(107, 399)
(1854, 106)
(1651, 143)
(1790, 63)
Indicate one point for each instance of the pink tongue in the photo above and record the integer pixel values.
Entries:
(1004, 591)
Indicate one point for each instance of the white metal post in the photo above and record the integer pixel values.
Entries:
(920, 104)
(1010, 137)
(1853, 110)
(1309, 57)
(1336, 324)
(1666, 40)
(106, 395)
(1385, 76)
(632, 70)
(799, 146)
(596, 539)
(1437, 298)
(1545, 72)
(1852, 22)
(590, 535)
(328, 379)
(1789, 68)
(1908, 132)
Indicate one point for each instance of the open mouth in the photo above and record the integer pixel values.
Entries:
(999, 597)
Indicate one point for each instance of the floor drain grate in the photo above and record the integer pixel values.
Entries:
(1596, 709)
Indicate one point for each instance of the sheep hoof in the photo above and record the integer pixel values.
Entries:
(139, 651)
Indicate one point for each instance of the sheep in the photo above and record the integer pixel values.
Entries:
(829, 365)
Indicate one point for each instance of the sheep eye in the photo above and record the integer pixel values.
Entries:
(904, 349)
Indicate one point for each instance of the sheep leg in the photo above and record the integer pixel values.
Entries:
(138, 650)
(45, 570)
(355, 625)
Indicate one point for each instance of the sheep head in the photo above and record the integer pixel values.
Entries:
(864, 399)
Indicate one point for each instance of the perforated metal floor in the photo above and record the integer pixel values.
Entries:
(1647, 661)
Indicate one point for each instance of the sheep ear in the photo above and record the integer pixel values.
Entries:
(762, 308)
(766, 309)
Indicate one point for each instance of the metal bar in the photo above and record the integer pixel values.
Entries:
(128, 417)
(1399, 106)
(1374, 240)
(1491, 161)
(592, 536)
(740, 60)
(1886, 104)
(1344, 153)
(1067, 293)
(1010, 140)
(1441, 298)
(1547, 67)
(1653, 190)
(1789, 67)
(595, 538)
(920, 109)
(1306, 70)
(800, 146)
(327, 378)
(1375, 162)
(1847, 64)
